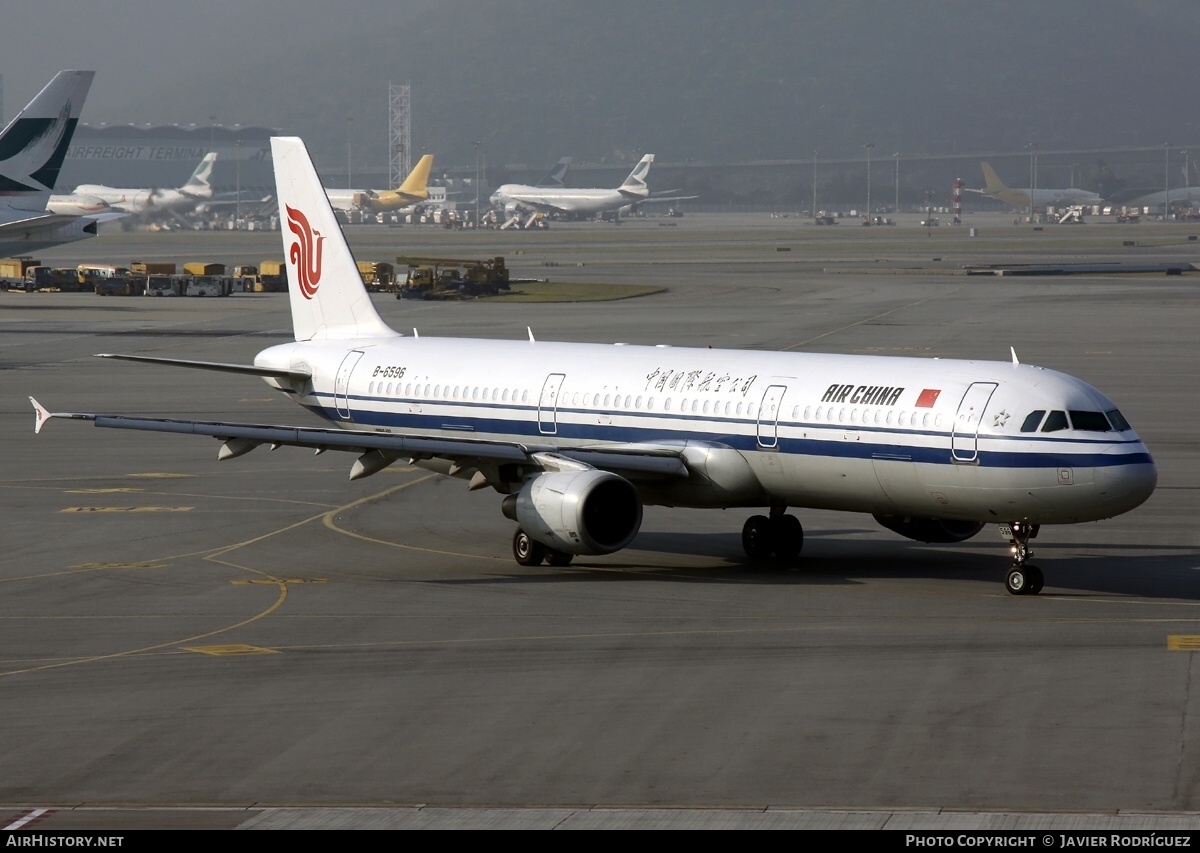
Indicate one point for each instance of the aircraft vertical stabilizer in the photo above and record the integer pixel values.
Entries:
(418, 178)
(635, 184)
(198, 183)
(34, 144)
(991, 181)
(328, 299)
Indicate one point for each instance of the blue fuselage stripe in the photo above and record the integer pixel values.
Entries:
(876, 442)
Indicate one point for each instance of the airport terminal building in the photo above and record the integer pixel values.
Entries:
(128, 155)
(131, 155)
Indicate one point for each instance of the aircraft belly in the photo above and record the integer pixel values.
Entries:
(821, 482)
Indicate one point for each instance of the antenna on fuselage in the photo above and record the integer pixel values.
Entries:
(1013, 350)
(530, 330)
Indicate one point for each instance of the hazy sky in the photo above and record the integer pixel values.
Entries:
(138, 45)
(702, 80)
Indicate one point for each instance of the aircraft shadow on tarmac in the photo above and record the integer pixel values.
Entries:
(1119, 571)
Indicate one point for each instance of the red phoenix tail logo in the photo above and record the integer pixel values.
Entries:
(305, 253)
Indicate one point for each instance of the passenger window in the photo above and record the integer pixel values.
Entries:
(1033, 420)
(1090, 421)
(1056, 421)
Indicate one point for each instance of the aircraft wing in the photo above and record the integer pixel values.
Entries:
(638, 460)
(37, 222)
(658, 198)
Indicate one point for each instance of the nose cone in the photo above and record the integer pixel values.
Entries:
(1127, 478)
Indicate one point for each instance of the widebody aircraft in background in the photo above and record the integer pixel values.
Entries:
(576, 202)
(1042, 197)
(414, 190)
(32, 149)
(145, 201)
(577, 438)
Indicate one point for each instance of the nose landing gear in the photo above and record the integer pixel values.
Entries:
(1022, 578)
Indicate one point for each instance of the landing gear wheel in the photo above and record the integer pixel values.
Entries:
(1024, 580)
(757, 539)
(527, 551)
(1036, 579)
(1017, 582)
(788, 535)
(558, 558)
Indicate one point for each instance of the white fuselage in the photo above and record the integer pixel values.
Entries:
(891, 436)
(572, 201)
(133, 200)
(78, 205)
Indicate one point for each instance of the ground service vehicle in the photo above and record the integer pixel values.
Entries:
(163, 285)
(209, 285)
(12, 272)
(452, 278)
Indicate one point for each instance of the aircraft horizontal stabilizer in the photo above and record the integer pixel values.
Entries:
(246, 369)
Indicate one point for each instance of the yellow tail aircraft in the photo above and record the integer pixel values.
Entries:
(413, 190)
(1020, 197)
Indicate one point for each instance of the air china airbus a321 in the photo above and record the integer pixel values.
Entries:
(579, 437)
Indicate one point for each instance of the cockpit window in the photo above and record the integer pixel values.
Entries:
(1118, 421)
(1033, 420)
(1090, 421)
(1056, 421)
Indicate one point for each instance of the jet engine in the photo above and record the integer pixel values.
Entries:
(940, 530)
(579, 512)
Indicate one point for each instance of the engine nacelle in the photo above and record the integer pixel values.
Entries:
(940, 530)
(579, 512)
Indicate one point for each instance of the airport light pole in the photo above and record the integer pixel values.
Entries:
(896, 208)
(814, 208)
(212, 132)
(237, 145)
(1166, 181)
(868, 146)
(478, 144)
(349, 136)
(1032, 146)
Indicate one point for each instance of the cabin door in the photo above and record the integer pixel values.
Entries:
(341, 385)
(768, 416)
(548, 404)
(964, 440)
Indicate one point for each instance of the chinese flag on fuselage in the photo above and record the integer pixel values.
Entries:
(927, 398)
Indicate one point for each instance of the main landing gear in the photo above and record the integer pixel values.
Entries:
(779, 535)
(529, 552)
(1022, 578)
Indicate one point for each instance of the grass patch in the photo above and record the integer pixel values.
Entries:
(547, 291)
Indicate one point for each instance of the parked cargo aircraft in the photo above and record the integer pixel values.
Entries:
(1042, 196)
(578, 437)
(515, 197)
(32, 149)
(1179, 196)
(146, 201)
(413, 190)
